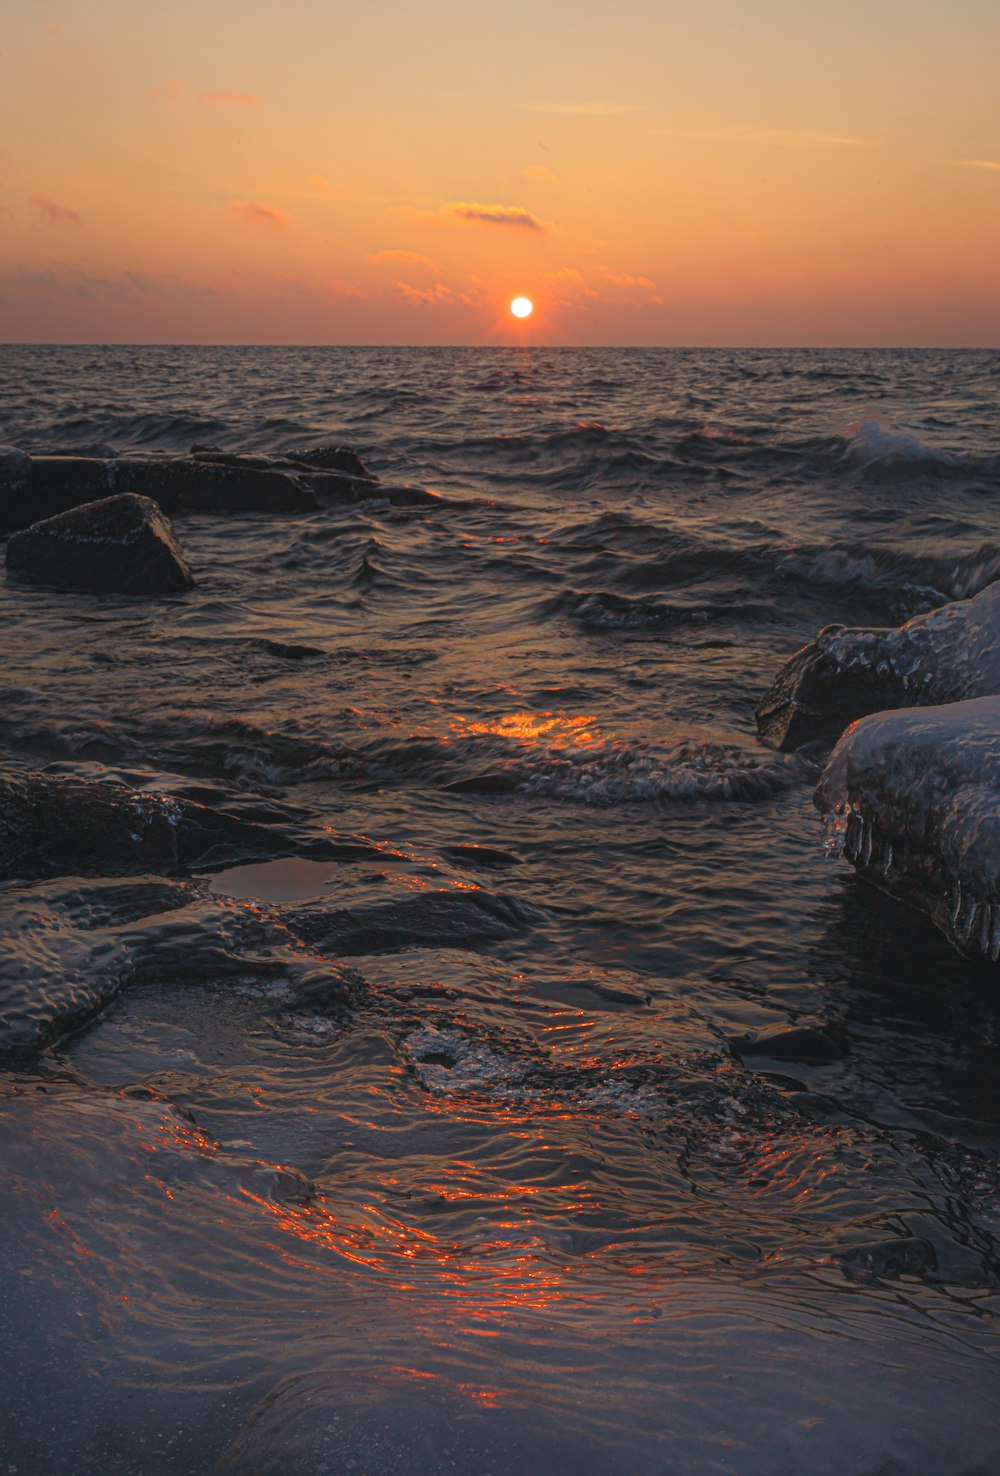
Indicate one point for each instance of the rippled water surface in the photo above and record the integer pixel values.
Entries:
(429, 1143)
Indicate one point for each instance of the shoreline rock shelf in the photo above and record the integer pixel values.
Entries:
(34, 486)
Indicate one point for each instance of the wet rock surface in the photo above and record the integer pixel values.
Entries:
(120, 545)
(52, 825)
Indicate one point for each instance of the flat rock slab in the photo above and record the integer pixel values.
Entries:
(121, 545)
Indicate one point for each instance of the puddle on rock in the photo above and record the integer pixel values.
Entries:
(293, 879)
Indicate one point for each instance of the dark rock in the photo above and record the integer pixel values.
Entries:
(99, 449)
(183, 484)
(330, 458)
(479, 856)
(905, 1255)
(121, 544)
(48, 485)
(55, 826)
(811, 1044)
(816, 695)
(483, 784)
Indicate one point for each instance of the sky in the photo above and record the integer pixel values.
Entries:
(704, 172)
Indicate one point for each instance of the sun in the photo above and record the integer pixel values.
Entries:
(522, 307)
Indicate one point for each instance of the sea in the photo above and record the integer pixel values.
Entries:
(642, 1136)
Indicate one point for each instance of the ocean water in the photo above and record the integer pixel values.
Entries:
(511, 1196)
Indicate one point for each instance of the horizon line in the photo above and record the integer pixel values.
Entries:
(558, 347)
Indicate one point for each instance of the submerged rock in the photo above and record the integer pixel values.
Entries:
(123, 545)
(845, 674)
(913, 800)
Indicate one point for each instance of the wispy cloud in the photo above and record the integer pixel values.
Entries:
(596, 109)
(402, 258)
(989, 164)
(317, 184)
(474, 212)
(538, 174)
(253, 213)
(54, 279)
(175, 91)
(439, 293)
(780, 137)
(498, 215)
(55, 215)
(7, 214)
(238, 99)
(626, 279)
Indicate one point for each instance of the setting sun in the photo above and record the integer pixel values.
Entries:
(522, 307)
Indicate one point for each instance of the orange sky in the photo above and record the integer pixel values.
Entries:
(656, 171)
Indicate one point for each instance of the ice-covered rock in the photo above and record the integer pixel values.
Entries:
(947, 655)
(913, 800)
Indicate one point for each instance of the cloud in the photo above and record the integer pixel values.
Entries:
(52, 214)
(990, 164)
(403, 258)
(474, 213)
(238, 99)
(625, 279)
(55, 279)
(581, 109)
(318, 185)
(782, 137)
(253, 214)
(439, 293)
(569, 275)
(174, 91)
(6, 214)
(540, 175)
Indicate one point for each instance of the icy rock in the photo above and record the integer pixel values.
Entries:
(945, 656)
(919, 791)
(120, 544)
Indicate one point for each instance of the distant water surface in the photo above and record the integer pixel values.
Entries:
(519, 1207)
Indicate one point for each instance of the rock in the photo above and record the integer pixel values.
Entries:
(914, 801)
(905, 1255)
(48, 485)
(191, 484)
(945, 656)
(816, 695)
(121, 544)
(51, 825)
(483, 784)
(330, 458)
(815, 1045)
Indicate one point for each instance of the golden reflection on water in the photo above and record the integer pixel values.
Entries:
(529, 728)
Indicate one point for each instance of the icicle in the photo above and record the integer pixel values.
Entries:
(956, 904)
(852, 836)
(886, 866)
(984, 929)
(867, 841)
(995, 934)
